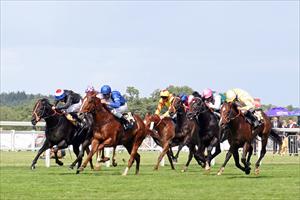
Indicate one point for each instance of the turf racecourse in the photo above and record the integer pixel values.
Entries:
(279, 179)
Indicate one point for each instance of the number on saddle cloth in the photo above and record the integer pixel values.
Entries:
(258, 115)
(130, 121)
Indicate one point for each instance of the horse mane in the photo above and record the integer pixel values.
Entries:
(196, 94)
(45, 100)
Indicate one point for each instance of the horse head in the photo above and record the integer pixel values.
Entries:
(41, 110)
(90, 103)
(197, 107)
(151, 118)
(176, 106)
(229, 112)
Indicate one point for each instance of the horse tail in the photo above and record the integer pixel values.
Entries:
(275, 136)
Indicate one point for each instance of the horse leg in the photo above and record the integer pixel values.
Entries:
(191, 154)
(213, 143)
(80, 155)
(114, 163)
(87, 150)
(264, 141)
(63, 144)
(236, 159)
(132, 149)
(199, 155)
(228, 156)
(172, 154)
(45, 146)
(217, 150)
(175, 158)
(243, 159)
(250, 152)
(95, 144)
(76, 151)
(170, 159)
(162, 154)
(103, 158)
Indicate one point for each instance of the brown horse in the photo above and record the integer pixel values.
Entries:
(241, 135)
(186, 133)
(164, 132)
(108, 132)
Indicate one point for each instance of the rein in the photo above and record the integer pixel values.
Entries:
(38, 118)
(228, 119)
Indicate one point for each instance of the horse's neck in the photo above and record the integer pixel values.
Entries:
(52, 121)
(236, 123)
(103, 115)
(181, 118)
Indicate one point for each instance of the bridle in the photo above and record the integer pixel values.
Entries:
(177, 107)
(39, 116)
(228, 117)
(199, 109)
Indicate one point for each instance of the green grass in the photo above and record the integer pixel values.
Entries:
(279, 179)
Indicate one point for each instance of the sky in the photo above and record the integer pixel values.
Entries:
(150, 45)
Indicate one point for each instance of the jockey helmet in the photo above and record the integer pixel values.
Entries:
(230, 96)
(105, 89)
(183, 97)
(89, 89)
(59, 94)
(207, 93)
(164, 93)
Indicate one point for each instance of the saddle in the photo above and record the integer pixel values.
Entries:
(127, 120)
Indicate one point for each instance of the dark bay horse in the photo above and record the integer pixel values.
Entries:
(59, 131)
(108, 132)
(163, 133)
(209, 132)
(186, 132)
(241, 135)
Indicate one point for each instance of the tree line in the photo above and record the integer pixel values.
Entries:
(17, 106)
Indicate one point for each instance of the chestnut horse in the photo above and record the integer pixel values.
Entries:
(164, 132)
(109, 132)
(241, 135)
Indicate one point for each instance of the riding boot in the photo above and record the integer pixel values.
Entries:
(126, 124)
(254, 121)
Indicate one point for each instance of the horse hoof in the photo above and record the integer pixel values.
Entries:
(97, 168)
(219, 173)
(32, 167)
(71, 167)
(114, 164)
(175, 160)
(247, 171)
(103, 160)
(80, 169)
(256, 171)
(77, 171)
(60, 163)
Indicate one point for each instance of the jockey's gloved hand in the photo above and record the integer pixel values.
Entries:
(53, 108)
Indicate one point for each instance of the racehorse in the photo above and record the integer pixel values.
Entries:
(109, 132)
(186, 132)
(164, 132)
(241, 135)
(209, 132)
(59, 131)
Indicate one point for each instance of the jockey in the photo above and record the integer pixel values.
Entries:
(90, 89)
(213, 100)
(245, 103)
(72, 103)
(166, 99)
(116, 103)
(186, 100)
